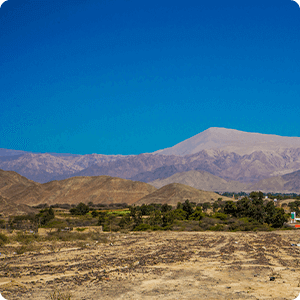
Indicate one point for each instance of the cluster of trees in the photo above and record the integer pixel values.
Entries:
(277, 196)
(294, 206)
(31, 221)
(257, 210)
(245, 214)
(252, 212)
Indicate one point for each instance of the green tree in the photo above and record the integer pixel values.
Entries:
(243, 207)
(165, 208)
(187, 207)
(80, 209)
(45, 216)
(137, 218)
(279, 218)
(206, 206)
(102, 218)
(230, 208)
(179, 214)
(179, 205)
(146, 209)
(270, 212)
(197, 214)
(168, 218)
(155, 218)
(257, 198)
(125, 221)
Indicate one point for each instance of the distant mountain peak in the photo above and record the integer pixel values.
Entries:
(231, 140)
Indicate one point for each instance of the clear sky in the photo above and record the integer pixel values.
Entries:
(132, 76)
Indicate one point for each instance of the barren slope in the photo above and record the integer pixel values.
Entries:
(201, 180)
(12, 183)
(177, 192)
(100, 189)
(9, 208)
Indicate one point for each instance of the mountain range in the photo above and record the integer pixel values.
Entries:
(242, 159)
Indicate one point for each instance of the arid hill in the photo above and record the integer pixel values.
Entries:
(177, 192)
(100, 189)
(9, 208)
(12, 184)
(201, 180)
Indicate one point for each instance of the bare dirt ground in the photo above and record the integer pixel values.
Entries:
(159, 265)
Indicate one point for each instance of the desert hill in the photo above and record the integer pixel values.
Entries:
(177, 192)
(12, 183)
(201, 180)
(100, 189)
(9, 208)
(232, 140)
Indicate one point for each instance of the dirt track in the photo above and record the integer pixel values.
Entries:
(160, 265)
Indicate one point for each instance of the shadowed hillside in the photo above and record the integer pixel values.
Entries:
(12, 184)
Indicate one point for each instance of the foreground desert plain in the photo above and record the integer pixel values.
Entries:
(157, 265)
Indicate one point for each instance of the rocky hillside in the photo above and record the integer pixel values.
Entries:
(12, 184)
(289, 183)
(177, 192)
(46, 167)
(99, 189)
(203, 181)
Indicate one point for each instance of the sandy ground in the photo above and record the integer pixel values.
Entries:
(160, 265)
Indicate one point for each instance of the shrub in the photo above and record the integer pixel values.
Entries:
(27, 238)
(3, 239)
(142, 227)
(80, 229)
(217, 227)
(2, 224)
(220, 216)
(206, 223)
(57, 295)
(57, 223)
(27, 248)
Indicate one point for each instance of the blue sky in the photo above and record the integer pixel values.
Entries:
(131, 76)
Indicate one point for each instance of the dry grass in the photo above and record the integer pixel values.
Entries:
(58, 295)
